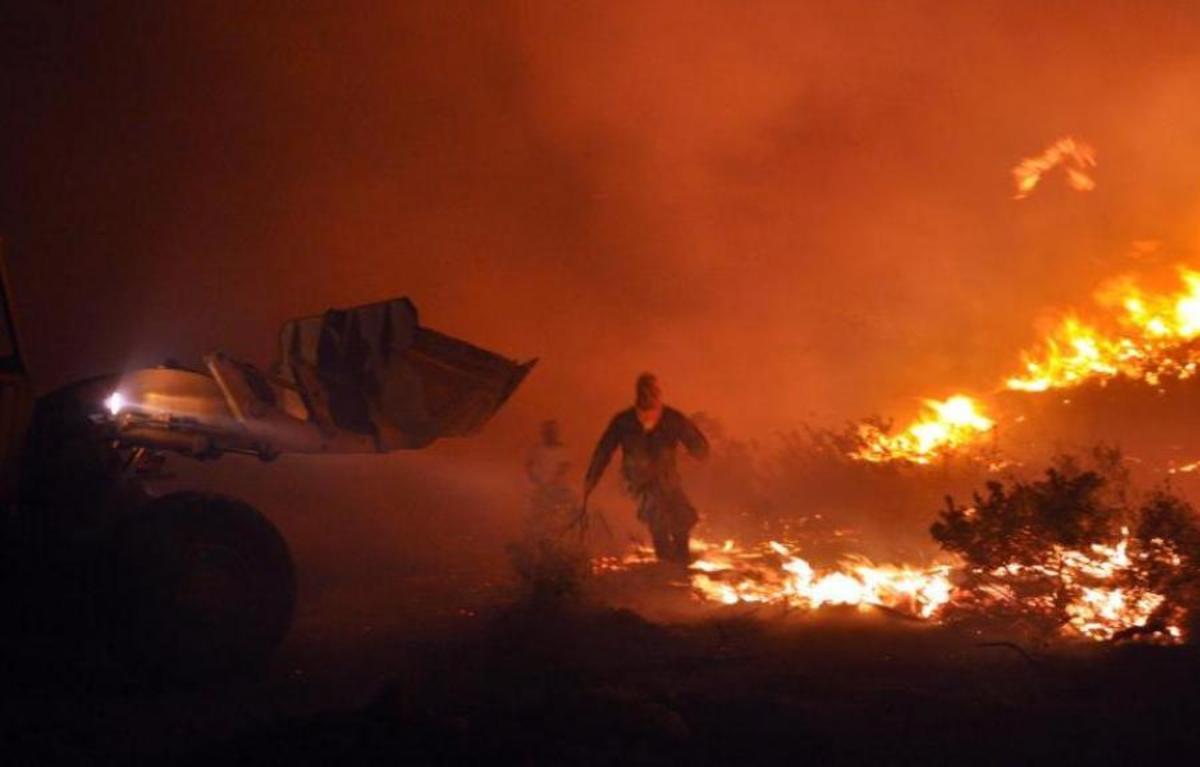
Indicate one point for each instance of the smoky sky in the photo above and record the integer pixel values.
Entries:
(788, 210)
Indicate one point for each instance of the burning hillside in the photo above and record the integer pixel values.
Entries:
(1139, 335)
(1145, 336)
(1067, 555)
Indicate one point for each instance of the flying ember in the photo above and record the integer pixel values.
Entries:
(1076, 158)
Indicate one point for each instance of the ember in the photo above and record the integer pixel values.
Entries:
(1076, 158)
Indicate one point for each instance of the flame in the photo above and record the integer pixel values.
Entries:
(944, 426)
(774, 574)
(1076, 158)
(1093, 591)
(1152, 340)
(1150, 337)
(1098, 605)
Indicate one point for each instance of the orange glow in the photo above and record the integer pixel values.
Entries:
(944, 426)
(1076, 158)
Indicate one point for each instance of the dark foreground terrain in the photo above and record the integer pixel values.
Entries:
(411, 646)
(555, 684)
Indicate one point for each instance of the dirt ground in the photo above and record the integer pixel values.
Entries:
(411, 646)
(594, 684)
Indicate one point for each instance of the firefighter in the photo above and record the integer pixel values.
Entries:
(648, 434)
(547, 465)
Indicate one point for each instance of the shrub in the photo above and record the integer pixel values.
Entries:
(1069, 552)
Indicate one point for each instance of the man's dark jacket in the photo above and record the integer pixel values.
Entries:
(648, 457)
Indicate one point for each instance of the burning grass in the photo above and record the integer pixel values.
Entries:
(774, 573)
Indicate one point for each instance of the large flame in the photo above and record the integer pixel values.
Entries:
(1145, 336)
(1151, 340)
(944, 426)
(1076, 158)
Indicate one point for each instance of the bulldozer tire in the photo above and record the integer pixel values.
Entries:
(203, 586)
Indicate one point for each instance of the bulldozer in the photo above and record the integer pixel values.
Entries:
(194, 583)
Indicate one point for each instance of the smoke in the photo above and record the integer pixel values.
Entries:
(788, 211)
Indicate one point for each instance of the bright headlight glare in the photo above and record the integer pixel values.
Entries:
(115, 402)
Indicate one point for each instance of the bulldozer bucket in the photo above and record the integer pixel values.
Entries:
(373, 369)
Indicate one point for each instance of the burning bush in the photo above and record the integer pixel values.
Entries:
(1058, 555)
(1168, 530)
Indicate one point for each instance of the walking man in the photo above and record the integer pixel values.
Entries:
(648, 434)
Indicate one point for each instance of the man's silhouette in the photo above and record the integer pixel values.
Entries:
(648, 434)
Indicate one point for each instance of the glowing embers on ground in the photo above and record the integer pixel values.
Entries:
(1075, 157)
(1151, 341)
(946, 425)
(772, 573)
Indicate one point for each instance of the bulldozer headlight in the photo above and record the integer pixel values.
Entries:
(115, 403)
